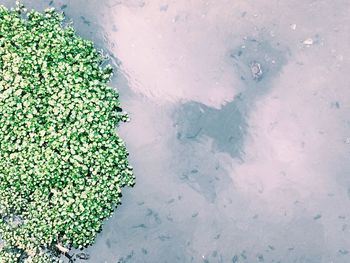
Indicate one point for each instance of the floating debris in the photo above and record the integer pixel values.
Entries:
(256, 70)
(62, 248)
(308, 41)
(83, 256)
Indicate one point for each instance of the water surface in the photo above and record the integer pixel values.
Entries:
(229, 167)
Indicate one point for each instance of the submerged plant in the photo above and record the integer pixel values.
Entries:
(62, 164)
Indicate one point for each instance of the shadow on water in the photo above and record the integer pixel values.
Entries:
(257, 62)
(227, 126)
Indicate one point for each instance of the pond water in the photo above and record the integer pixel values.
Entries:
(240, 130)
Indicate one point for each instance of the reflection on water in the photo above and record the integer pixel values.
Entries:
(226, 126)
(239, 131)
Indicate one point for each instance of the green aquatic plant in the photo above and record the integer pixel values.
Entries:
(62, 164)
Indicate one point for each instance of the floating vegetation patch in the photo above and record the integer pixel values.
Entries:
(62, 164)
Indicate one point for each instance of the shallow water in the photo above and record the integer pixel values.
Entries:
(229, 167)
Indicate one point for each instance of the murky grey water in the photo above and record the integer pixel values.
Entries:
(233, 163)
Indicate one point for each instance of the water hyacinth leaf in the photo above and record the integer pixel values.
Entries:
(62, 164)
